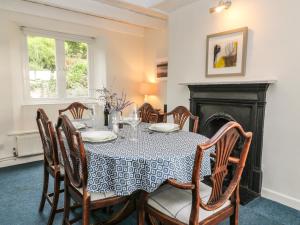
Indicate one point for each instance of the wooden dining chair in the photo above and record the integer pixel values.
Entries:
(197, 203)
(76, 109)
(148, 114)
(180, 115)
(76, 176)
(51, 164)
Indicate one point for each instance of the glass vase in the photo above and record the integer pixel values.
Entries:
(113, 118)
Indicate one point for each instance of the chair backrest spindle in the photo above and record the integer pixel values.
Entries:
(76, 109)
(148, 114)
(224, 141)
(73, 152)
(180, 116)
(48, 138)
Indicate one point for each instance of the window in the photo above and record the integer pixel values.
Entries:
(42, 67)
(76, 64)
(57, 66)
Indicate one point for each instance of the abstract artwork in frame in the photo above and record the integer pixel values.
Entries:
(226, 53)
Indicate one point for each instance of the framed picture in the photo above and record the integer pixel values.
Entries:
(226, 53)
(162, 68)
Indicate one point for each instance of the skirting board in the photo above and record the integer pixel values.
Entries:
(16, 161)
(281, 198)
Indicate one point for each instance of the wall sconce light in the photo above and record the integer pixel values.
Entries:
(223, 4)
(147, 89)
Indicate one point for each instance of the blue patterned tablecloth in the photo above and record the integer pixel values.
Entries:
(124, 166)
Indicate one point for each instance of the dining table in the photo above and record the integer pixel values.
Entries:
(126, 167)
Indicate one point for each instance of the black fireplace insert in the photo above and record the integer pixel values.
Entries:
(217, 104)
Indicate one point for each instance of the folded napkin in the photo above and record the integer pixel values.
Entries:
(164, 127)
(78, 125)
(98, 136)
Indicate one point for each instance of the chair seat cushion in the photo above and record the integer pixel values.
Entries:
(177, 203)
(98, 195)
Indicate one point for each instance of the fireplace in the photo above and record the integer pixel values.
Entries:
(217, 104)
(215, 122)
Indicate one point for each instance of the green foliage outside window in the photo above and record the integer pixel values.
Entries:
(76, 66)
(41, 52)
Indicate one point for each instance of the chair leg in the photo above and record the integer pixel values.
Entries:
(234, 219)
(86, 211)
(45, 189)
(55, 199)
(66, 205)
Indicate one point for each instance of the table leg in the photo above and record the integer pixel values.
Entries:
(141, 201)
(135, 202)
(122, 214)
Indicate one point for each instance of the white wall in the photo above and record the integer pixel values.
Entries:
(6, 109)
(118, 55)
(272, 52)
(156, 47)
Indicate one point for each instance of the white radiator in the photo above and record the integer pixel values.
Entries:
(27, 143)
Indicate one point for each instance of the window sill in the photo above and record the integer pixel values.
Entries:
(22, 132)
(59, 102)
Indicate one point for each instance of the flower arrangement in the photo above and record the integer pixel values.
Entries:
(112, 101)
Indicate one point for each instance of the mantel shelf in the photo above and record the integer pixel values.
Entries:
(272, 81)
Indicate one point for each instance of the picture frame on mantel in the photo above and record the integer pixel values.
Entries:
(226, 53)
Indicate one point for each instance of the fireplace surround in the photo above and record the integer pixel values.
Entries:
(216, 104)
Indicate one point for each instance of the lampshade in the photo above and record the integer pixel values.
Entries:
(148, 89)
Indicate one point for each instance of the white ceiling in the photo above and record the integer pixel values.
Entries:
(143, 3)
(161, 5)
(143, 13)
(167, 5)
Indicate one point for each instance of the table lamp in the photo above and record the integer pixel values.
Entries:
(147, 89)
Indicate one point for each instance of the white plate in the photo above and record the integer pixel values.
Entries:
(98, 136)
(164, 127)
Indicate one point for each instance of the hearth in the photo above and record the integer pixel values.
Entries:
(217, 104)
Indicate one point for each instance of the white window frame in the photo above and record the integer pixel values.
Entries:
(60, 70)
